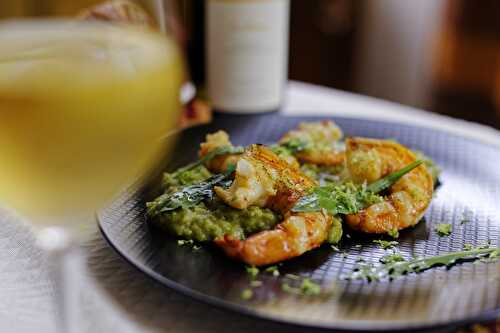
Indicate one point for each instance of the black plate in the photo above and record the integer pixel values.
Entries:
(465, 293)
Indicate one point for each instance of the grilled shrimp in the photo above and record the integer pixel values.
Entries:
(368, 160)
(265, 180)
(298, 233)
(220, 163)
(212, 142)
(321, 143)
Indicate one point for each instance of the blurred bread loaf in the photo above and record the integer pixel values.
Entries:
(120, 11)
(195, 111)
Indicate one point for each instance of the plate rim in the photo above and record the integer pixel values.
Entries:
(365, 325)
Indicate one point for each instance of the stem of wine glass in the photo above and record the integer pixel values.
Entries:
(60, 252)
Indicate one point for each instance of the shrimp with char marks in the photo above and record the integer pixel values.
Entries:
(368, 160)
(265, 180)
(320, 143)
(217, 140)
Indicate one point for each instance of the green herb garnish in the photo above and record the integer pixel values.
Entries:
(443, 229)
(187, 196)
(337, 199)
(182, 242)
(309, 287)
(273, 270)
(252, 271)
(394, 265)
(295, 145)
(247, 294)
(306, 288)
(349, 198)
(392, 258)
(384, 244)
(394, 233)
(190, 242)
(494, 255)
(389, 180)
(468, 247)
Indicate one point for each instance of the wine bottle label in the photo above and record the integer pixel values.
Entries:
(247, 53)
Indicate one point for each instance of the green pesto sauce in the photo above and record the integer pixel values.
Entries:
(210, 220)
(193, 176)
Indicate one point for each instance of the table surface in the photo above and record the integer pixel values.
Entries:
(115, 297)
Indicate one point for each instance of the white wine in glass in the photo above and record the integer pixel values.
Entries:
(84, 110)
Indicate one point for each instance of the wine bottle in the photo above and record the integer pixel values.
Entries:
(193, 21)
(246, 44)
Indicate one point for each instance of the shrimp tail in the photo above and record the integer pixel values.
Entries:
(369, 160)
(298, 233)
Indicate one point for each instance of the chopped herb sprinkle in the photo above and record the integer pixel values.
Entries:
(391, 258)
(247, 294)
(394, 233)
(443, 229)
(492, 256)
(252, 271)
(384, 244)
(395, 265)
(468, 247)
(306, 288)
(273, 270)
(309, 287)
(188, 242)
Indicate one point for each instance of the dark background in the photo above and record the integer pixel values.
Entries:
(440, 55)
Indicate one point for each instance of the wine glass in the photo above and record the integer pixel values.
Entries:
(86, 109)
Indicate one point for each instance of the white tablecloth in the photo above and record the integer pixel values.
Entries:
(114, 297)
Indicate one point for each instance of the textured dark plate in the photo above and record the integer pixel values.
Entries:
(465, 293)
